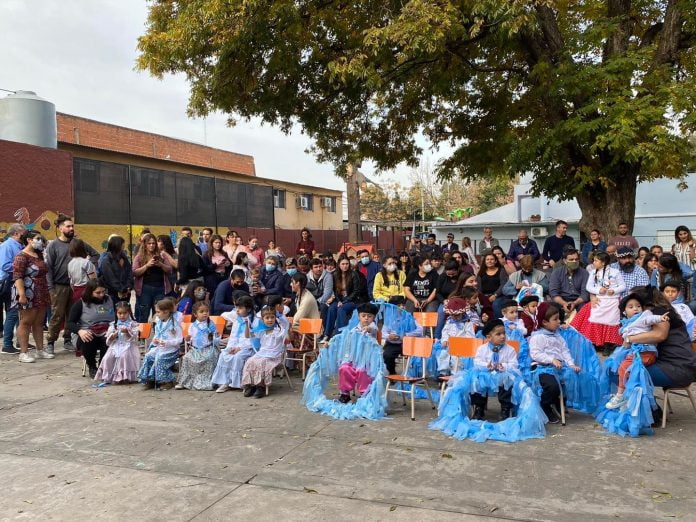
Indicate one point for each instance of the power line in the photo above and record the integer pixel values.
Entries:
(8, 90)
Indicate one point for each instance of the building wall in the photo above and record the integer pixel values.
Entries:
(319, 218)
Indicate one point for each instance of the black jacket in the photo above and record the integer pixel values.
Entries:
(116, 273)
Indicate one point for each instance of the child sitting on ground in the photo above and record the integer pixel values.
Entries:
(393, 342)
(121, 362)
(230, 364)
(496, 356)
(529, 306)
(548, 348)
(636, 321)
(511, 318)
(672, 292)
(258, 370)
(456, 325)
(157, 364)
(197, 365)
(348, 376)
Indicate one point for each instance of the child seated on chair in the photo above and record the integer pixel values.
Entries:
(230, 364)
(456, 325)
(276, 302)
(470, 295)
(158, 362)
(258, 370)
(121, 362)
(672, 292)
(495, 356)
(529, 305)
(393, 342)
(348, 376)
(198, 364)
(635, 321)
(511, 318)
(548, 348)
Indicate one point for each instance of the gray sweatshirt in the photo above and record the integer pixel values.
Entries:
(57, 257)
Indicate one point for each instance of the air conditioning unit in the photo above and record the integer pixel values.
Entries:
(326, 202)
(302, 202)
(539, 232)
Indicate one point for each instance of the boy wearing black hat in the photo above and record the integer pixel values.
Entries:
(529, 306)
(496, 356)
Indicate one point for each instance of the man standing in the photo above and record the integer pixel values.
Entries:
(450, 246)
(203, 240)
(633, 275)
(488, 241)
(567, 284)
(57, 257)
(624, 239)
(8, 250)
(523, 247)
(554, 245)
(431, 248)
(368, 268)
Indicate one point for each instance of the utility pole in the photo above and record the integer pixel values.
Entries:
(353, 197)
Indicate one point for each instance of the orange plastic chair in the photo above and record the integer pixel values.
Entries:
(514, 344)
(187, 318)
(219, 323)
(426, 320)
(459, 347)
(307, 327)
(144, 331)
(412, 347)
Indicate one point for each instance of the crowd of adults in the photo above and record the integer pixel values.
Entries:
(40, 281)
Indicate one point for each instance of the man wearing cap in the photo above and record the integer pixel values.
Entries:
(431, 248)
(633, 275)
(450, 246)
(523, 246)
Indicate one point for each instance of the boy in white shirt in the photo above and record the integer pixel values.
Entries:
(511, 318)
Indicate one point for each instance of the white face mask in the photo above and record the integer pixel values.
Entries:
(37, 244)
(427, 268)
(391, 268)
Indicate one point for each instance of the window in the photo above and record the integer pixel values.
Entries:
(101, 192)
(329, 203)
(305, 202)
(153, 197)
(278, 198)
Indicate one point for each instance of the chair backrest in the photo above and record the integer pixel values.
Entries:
(693, 346)
(514, 344)
(187, 318)
(417, 346)
(425, 319)
(144, 330)
(185, 328)
(219, 323)
(464, 346)
(310, 326)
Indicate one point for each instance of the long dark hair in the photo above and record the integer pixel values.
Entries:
(404, 267)
(671, 265)
(115, 246)
(482, 269)
(167, 244)
(647, 259)
(343, 281)
(90, 287)
(187, 253)
(385, 274)
(464, 276)
(682, 228)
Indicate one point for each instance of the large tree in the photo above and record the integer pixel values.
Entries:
(591, 96)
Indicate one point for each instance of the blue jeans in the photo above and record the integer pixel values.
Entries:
(345, 312)
(331, 315)
(498, 307)
(145, 302)
(659, 378)
(441, 319)
(11, 319)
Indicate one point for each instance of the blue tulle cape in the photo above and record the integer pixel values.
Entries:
(453, 414)
(390, 316)
(635, 417)
(364, 353)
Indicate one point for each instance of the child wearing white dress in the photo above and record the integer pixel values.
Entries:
(607, 283)
(258, 370)
(511, 319)
(156, 369)
(198, 364)
(456, 325)
(121, 362)
(230, 365)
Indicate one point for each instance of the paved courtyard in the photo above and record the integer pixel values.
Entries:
(69, 451)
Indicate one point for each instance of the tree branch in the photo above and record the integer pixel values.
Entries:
(617, 42)
(670, 36)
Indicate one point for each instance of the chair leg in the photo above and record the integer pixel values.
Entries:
(84, 366)
(430, 395)
(287, 376)
(403, 392)
(665, 406)
(266, 390)
(386, 392)
(304, 366)
(563, 419)
(413, 402)
(691, 398)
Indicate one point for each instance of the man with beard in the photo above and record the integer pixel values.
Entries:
(633, 275)
(57, 257)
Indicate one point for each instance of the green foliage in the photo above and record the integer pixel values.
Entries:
(588, 95)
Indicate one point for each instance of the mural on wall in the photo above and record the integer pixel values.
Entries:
(44, 222)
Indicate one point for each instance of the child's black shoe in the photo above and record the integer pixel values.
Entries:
(552, 415)
(505, 413)
(344, 398)
(260, 392)
(249, 390)
(479, 413)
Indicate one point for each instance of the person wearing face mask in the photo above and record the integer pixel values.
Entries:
(30, 295)
(526, 277)
(254, 252)
(195, 292)
(8, 251)
(272, 278)
(57, 257)
(420, 287)
(567, 285)
(633, 274)
(290, 270)
(389, 282)
(228, 291)
(369, 269)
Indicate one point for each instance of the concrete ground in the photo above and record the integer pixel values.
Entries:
(69, 451)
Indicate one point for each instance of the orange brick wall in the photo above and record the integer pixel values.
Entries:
(104, 136)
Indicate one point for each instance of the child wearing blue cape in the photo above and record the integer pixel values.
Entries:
(496, 356)
(258, 370)
(230, 364)
(636, 321)
(348, 376)
(393, 341)
(511, 318)
(457, 324)
(197, 365)
(547, 348)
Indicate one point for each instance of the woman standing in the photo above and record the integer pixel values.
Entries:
(491, 280)
(254, 253)
(275, 251)
(80, 269)
(350, 289)
(231, 244)
(150, 277)
(216, 264)
(166, 250)
(466, 249)
(30, 295)
(190, 264)
(684, 249)
(507, 264)
(306, 246)
(116, 271)
(89, 319)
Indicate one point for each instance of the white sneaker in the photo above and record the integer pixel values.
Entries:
(222, 389)
(43, 354)
(179, 387)
(26, 358)
(615, 402)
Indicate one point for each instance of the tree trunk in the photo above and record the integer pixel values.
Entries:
(604, 208)
(353, 197)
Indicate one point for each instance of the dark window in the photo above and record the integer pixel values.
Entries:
(101, 192)
(278, 198)
(329, 203)
(153, 197)
(231, 211)
(195, 200)
(259, 206)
